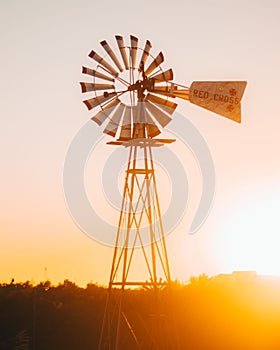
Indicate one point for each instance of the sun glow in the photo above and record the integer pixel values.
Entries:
(251, 235)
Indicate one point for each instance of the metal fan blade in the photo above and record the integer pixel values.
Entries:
(139, 120)
(95, 101)
(133, 50)
(164, 93)
(122, 50)
(112, 55)
(166, 90)
(171, 90)
(166, 105)
(145, 54)
(162, 118)
(220, 97)
(156, 62)
(125, 133)
(182, 93)
(139, 113)
(105, 112)
(96, 74)
(152, 128)
(103, 63)
(164, 76)
(86, 87)
(113, 125)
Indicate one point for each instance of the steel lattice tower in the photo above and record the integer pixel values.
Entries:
(140, 219)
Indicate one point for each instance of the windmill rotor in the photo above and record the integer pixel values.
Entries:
(124, 87)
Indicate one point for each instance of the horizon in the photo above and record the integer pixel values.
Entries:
(237, 275)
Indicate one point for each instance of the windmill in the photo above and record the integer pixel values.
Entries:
(133, 96)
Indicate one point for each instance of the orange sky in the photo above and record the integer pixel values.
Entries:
(43, 47)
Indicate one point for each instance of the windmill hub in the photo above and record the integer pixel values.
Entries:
(141, 86)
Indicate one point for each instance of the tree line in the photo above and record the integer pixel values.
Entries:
(222, 312)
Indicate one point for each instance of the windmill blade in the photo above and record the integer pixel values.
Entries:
(156, 62)
(103, 63)
(162, 118)
(171, 90)
(121, 46)
(220, 97)
(166, 90)
(164, 76)
(139, 113)
(133, 50)
(145, 54)
(139, 120)
(86, 87)
(166, 105)
(96, 74)
(152, 128)
(98, 100)
(112, 55)
(113, 125)
(125, 133)
(182, 93)
(105, 112)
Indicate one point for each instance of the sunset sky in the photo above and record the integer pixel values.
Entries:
(43, 47)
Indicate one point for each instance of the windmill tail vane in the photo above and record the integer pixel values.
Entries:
(220, 97)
